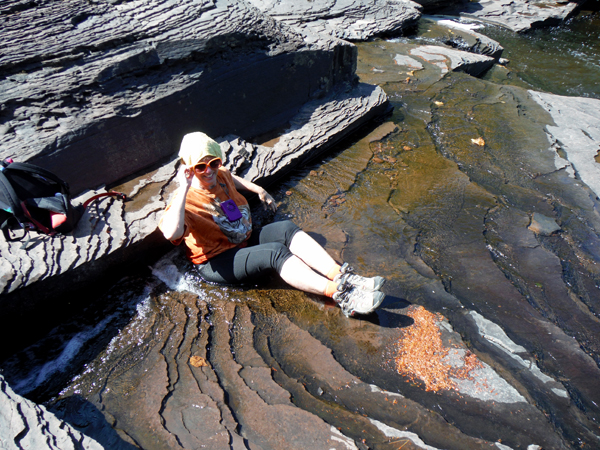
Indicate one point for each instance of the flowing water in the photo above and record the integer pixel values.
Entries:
(562, 60)
(489, 332)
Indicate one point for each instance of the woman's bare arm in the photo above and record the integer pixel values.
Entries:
(265, 198)
(172, 222)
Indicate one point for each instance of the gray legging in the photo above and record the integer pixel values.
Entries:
(266, 251)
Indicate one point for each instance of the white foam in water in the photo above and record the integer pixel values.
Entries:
(459, 25)
(39, 375)
(454, 22)
(167, 271)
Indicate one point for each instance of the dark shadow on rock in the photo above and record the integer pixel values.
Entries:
(388, 319)
(29, 243)
(387, 316)
(321, 240)
(391, 302)
(86, 418)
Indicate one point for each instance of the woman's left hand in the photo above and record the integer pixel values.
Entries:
(267, 201)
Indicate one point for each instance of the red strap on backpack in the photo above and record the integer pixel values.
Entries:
(57, 219)
(105, 194)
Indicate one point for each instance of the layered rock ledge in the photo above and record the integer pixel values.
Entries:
(112, 88)
(23, 424)
(345, 19)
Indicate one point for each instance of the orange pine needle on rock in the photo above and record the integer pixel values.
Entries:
(421, 354)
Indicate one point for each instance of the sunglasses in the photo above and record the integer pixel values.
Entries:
(214, 164)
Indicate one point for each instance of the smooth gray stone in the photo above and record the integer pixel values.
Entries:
(543, 225)
(463, 37)
(448, 59)
(575, 132)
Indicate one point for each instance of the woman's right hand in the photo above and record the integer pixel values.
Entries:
(185, 175)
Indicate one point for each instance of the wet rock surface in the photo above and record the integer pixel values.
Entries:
(488, 337)
(231, 373)
(510, 170)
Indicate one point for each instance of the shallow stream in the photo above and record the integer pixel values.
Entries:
(489, 336)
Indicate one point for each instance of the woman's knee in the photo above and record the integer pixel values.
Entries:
(281, 255)
(278, 255)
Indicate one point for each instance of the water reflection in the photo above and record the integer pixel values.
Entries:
(563, 60)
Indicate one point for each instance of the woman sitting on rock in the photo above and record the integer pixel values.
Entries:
(213, 219)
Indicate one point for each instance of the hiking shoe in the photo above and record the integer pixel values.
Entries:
(353, 299)
(347, 275)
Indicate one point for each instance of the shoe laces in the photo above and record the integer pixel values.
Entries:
(347, 275)
(342, 297)
(346, 269)
(349, 297)
(352, 279)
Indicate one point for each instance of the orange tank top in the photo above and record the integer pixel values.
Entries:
(207, 230)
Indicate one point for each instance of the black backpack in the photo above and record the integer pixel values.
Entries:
(34, 199)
